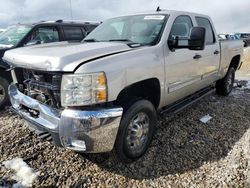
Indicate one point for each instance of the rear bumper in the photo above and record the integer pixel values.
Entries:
(90, 131)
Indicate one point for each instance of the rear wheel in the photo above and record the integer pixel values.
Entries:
(136, 130)
(4, 99)
(225, 85)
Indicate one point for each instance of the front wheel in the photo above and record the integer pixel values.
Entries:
(225, 85)
(136, 131)
(4, 99)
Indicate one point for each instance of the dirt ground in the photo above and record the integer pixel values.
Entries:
(184, 151)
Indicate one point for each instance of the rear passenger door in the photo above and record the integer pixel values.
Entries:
(210, 60)
(73, 33)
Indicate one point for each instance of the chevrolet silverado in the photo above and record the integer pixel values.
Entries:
(106, 93)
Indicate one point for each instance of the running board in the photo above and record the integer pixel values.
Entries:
(184, 103)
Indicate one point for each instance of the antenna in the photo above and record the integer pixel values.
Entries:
(158, 9)
(71, 13)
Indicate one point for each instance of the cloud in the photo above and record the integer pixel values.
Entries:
(228, 15)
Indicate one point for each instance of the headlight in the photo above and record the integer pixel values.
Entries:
(83, 89)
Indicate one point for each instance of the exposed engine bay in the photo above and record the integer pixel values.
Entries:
(39, 85)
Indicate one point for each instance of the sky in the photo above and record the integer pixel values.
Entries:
(228, 15)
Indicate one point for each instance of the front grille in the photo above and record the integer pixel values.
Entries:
(40, 85)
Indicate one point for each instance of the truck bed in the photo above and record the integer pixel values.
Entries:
(230, 49)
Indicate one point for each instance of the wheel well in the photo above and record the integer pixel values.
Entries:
(147, 89)
(245, 43)
(6, 75)
(235, 62)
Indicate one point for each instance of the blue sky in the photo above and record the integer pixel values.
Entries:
(228, 15)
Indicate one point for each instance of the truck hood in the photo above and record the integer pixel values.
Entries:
(61, 56)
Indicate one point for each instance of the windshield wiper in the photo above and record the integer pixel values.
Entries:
(130, 42)
(122, 40)
(90, 40)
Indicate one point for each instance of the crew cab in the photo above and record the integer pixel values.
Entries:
(106, 93)
(37, 33)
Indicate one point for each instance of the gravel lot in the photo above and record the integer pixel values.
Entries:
(184, 152)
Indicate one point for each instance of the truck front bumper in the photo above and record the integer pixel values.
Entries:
(90, 131)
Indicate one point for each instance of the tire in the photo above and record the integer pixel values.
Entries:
(143, 114)
(4, 98)
(225, 85)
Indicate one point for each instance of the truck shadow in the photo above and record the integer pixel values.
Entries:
(182, 143)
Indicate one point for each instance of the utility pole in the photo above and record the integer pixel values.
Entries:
(71, 13)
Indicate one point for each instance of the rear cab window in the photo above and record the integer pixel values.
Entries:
(204, 22)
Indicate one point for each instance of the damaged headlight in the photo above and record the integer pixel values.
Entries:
(83, 89)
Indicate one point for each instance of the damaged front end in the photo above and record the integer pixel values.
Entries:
(35, 96)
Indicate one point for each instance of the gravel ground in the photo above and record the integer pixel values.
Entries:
(184, 151)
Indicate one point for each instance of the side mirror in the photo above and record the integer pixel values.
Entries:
(197, 38)
(33, 42)
(196, 41)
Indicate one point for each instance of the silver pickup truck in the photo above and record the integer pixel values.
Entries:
(105, 93)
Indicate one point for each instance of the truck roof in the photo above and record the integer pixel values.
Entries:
(169, 12)
(62, 22)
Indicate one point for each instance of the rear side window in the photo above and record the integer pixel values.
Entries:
(204, 22)
(245, 35)
(181, 27)
(73, 33)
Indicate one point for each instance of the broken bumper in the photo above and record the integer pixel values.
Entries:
(90, 131)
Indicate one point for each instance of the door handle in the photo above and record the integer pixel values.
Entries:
(197, 56)
(216, 52)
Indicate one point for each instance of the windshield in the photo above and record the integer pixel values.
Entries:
(13, 35)
(141, 29)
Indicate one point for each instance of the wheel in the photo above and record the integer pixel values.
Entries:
(4, 98)
(225, 85)
(136, 130)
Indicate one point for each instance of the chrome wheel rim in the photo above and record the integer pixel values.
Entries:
(2, 93)
(138, 130)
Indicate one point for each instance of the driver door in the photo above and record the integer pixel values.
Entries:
(182, 70)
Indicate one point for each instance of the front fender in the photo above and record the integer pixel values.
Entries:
(127, 68)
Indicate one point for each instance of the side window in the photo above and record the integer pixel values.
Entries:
(44, 35)
(73, 33)
(204, 22)
(90, 27)
(181, 27)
